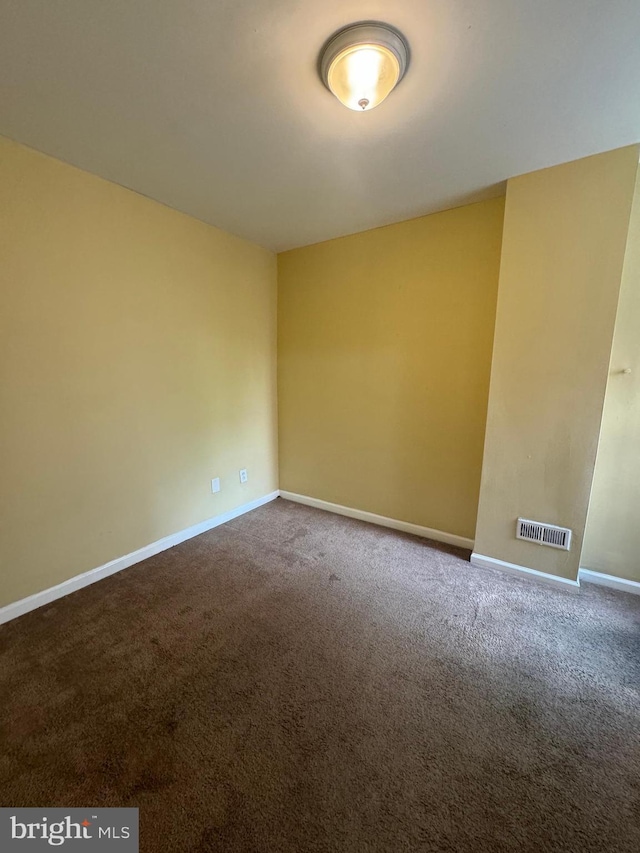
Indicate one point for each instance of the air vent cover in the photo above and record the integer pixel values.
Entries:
(544, 534)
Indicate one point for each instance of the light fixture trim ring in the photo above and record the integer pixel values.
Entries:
(365, 32)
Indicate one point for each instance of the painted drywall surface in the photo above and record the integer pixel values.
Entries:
(138, 361)
(612, 535)
(384, 349)
(565, 232)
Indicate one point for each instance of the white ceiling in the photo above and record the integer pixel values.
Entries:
(215, 107)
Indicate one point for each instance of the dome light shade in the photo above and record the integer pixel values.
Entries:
(363, 63)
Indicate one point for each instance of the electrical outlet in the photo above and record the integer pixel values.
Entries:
(215, 485)
(243, 475)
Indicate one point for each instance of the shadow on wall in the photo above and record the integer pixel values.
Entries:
(612, 535)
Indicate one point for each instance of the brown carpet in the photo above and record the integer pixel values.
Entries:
(297, 681)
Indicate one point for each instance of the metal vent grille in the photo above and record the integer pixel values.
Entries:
(544, 534)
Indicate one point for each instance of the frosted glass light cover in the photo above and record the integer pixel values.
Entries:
(362, 76)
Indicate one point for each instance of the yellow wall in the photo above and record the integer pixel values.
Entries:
(137, 361)
(565, 231)
(612, 536)
(383, 366)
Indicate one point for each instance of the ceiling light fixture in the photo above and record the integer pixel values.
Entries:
(362, 63)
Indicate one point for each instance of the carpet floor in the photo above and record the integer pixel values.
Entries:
(298, 681)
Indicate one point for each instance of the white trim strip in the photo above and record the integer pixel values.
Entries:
(610, 580)
(523, 572)
(19, 608)
(381, 520)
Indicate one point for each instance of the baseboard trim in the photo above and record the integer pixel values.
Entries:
(381, 520)
(32, 602)
(523, 572)
(589, 576)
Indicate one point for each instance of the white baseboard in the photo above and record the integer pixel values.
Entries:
(523, 572)
(18, 608)
(381, 520)
(609, 580)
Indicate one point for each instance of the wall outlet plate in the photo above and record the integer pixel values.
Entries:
(243, 475)
(215, 485)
